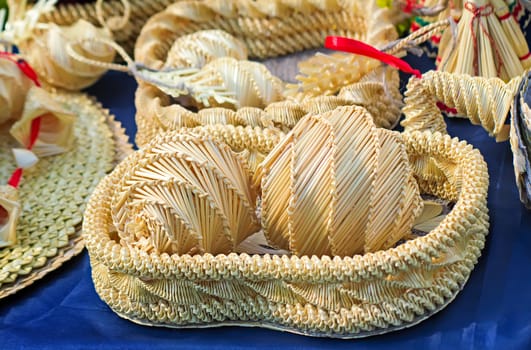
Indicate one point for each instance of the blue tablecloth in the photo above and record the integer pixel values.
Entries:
(493, 311)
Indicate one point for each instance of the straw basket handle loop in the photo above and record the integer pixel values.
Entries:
(114, 23)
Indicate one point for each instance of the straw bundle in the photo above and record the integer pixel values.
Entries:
(513, 32)
(486, 44)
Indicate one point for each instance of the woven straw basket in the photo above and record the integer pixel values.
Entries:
(267, 30)
(347, 297)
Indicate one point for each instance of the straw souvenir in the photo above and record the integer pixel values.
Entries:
(489, 42)
(53, 192)
(263, 31)
(345, 296)
(44, 45)
(486, 102)
(14, 86)
(67, 13)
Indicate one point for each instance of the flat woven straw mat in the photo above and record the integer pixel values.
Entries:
(55, 191)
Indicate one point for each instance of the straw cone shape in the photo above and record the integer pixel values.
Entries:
(10, 210)
(337, 185)
(14, 86)
(484, 47)
(184, 194)
(56, 125)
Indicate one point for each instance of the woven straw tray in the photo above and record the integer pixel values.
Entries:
(50, 239)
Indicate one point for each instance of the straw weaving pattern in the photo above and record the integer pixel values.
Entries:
(54, 193)
(348, 296)
(282, 27)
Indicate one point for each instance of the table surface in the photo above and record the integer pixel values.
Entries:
(493, 311)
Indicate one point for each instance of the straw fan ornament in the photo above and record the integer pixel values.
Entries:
(489, 43)
(44, 45)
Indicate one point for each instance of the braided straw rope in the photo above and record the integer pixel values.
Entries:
(279, 28)
(485, 101)
(50, 234)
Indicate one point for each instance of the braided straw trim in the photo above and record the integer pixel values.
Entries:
(485, 101)
(377, 91)
(341, 297)
(275, 29)
(280, 27)
(420, 109)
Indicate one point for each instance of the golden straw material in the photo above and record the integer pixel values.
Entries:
(347, 297)
(337, 175)
(9, 215)
(55, 127)
(252, 143)
(45, 45)
(487, 43)
(485, 102)
(14, 86)
(140, 11)
(53, 193)
(420, 109)
(197, 49)
(184, 194)
(280, 28)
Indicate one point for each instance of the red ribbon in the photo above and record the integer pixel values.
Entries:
(477, 12)
(25, 68)
(15, 178)
(360, 48)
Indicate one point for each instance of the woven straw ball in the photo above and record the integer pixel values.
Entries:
(337, 185)
(184, 194)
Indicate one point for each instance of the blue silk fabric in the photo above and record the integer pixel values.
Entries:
(493, 311)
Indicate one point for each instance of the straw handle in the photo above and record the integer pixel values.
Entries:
(483, 101)
(418, 37)
(420, 109)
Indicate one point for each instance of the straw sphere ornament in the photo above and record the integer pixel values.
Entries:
(184, 194)
(337, 185)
